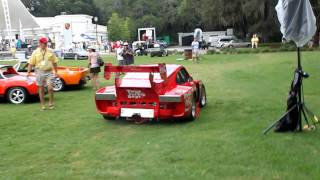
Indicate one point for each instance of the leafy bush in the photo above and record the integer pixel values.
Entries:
(264, 49)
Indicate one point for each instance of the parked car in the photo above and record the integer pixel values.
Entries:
(214, 39)
(162, 43)
(232, 43)
(14, 87)
(151, 92)
(78, 54)
(67, 76)
(158, 51)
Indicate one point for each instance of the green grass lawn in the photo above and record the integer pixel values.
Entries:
(246, 93)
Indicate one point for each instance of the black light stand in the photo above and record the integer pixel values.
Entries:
(299, 105)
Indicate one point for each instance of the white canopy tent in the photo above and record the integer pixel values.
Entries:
(13, 16)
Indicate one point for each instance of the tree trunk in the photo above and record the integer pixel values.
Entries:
(316, 9)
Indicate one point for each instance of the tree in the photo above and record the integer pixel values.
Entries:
(114, 26)
(172, 16)
(119, 28)
(45, 8)
(316, 8)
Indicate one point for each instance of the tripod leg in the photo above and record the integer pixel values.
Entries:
(311, 114)
(305, 116)
(271, 126)
(300, 117)
(278, 121)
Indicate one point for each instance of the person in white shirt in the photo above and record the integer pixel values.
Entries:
(119, 54)
(195, 51)
(94, 67)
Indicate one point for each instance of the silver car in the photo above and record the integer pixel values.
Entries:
(77, 54)
(232, 43)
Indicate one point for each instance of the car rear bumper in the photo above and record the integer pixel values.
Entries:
(117, 112)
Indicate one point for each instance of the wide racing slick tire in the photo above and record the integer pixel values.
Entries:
(203, 96)
(193, 113)
(109, 118)
(17, 95)
(58, 84)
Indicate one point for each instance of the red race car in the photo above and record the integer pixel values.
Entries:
(151, 92)
(16, 88)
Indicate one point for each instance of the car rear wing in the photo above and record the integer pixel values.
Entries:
(159, 68)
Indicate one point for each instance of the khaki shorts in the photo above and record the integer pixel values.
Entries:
(44, 78)
(195, 53)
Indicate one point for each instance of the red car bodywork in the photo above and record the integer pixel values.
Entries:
(151, 92)
(9, 78)
(70, 76)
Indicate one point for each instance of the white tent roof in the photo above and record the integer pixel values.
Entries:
(17, 11)
(79, 38)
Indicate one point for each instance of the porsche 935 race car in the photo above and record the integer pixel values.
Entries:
(15, 87)
(151, 92)
(67, 76)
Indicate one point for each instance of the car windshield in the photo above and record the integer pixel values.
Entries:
(8, 72)
(23, 67)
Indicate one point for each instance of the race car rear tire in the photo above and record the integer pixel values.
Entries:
(193, 113)
(58, 84)
(17, 95)
(109, 118)
(203, 96)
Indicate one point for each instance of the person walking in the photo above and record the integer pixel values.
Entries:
(128, 54)
(254, 41)
(45, 62)
(94, 67)
(119, 54)
(195, 50)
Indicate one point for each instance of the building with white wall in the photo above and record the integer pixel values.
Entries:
(81, 29)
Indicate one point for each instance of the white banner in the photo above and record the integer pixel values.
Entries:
(67, 33)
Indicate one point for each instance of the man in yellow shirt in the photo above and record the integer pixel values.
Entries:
(44, 61)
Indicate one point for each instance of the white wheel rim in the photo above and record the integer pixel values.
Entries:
(17, 96)
(203, 99)
(57, 84)
(193, 110)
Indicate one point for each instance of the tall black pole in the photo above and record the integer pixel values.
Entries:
(97, 33)
(300, 103)
(299, 59)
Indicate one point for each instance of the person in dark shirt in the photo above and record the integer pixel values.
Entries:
(128, 54)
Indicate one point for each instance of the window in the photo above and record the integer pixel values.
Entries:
(225, 40)
(23, 67)
(182, 77)
(179, 79)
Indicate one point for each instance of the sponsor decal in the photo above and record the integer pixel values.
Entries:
(135, 94)
(187, 101)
